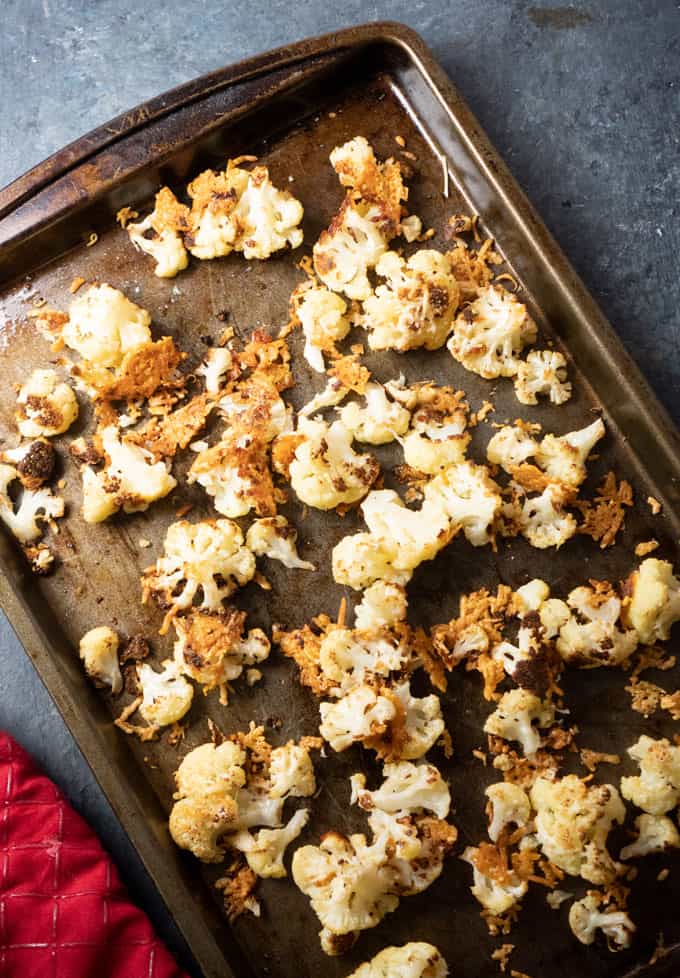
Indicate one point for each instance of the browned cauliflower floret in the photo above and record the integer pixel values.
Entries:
(412, 960)
(656, 789)
(34, 506)
(212, 648)
(592, 635)
(586, 918)
(206, 561)
(45, 406)
(497, 894)
(573, 820)
(518, 716)
(322, 315)
(274, 537)
(543, 372)
(491, 332)
(161, 234)
(654, 600)
(416, 306)
(379, 421)
(99, 653)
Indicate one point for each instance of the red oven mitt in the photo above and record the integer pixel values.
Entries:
(64, 912)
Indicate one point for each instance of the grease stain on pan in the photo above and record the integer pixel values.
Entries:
(558, 18)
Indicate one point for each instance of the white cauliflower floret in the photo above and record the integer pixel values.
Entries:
(361, 714)
(654, 602)
(543, 372)
(326, 472)
(585, 918)
(205, 808)
(166, 695)
(104, 325)
(349, 883)
(415, 308)
(99, 652)
(407, 788)
(509, 806)
(438, 436)
(591, 637)
(322, 315)
(241, 210)
(543, 520)
(35, 506)
(218, 361)
(379, 421)
(469, 497)
(572, 823)
(490, 333)
(211, 649)
(415, 534)
(657, 788)
(291, 772)
(424, 722)
(361, 559)
(532, 595)
(130, 479)
(45, 406)
(264, 850)
(412, 960)
(160, 234)
(352, 246)
(206, 560)
(383, 604)
(518, 716)
(494, 895)
(564, 458)
(510, 446)
(554, 614)
(333, 393)
(348, 658)
(656, 833)
(274, 537)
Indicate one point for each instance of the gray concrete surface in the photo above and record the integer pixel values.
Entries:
(582, 102)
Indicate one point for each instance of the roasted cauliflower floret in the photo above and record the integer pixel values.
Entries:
(161, 234)
(368, 219)
(348, 658)
(654, 600)
(212, 649)
(291, 772)
(416, 305)
(326, 472)
(358, 716)
(509, 806)
(656, 833)
(362, 559)
(99, 653)
(218, 361)
(572, 823)
(34, 507)
(412, 960)
(656, 789)
(592, 635)
(377, 422)
(511, 446)
(208, 780)
(563, 458)
(498, 893)
(585, 918)
(274, 537)
(491, 332)
(438, 436)
(470, 498)
(46, 406)
(383, 604)
(518, 716)
(166, 695)
(130, 480)
(34, 461)
(241, 210)
(205, 561)
(264, 850)
(543, 521)
(415, 534)
(104, 325)
(544, 372)
(322, 315)
(407, 788)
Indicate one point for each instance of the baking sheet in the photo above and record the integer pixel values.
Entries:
(378, 82)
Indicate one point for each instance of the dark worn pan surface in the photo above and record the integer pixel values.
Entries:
(291, 107)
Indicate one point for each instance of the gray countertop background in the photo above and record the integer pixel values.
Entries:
(582, 102)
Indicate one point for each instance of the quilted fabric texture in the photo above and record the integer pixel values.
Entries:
(64, 912)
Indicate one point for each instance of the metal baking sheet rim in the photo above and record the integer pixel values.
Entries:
(136, 806)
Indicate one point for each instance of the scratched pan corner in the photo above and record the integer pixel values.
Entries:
(290, 107)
